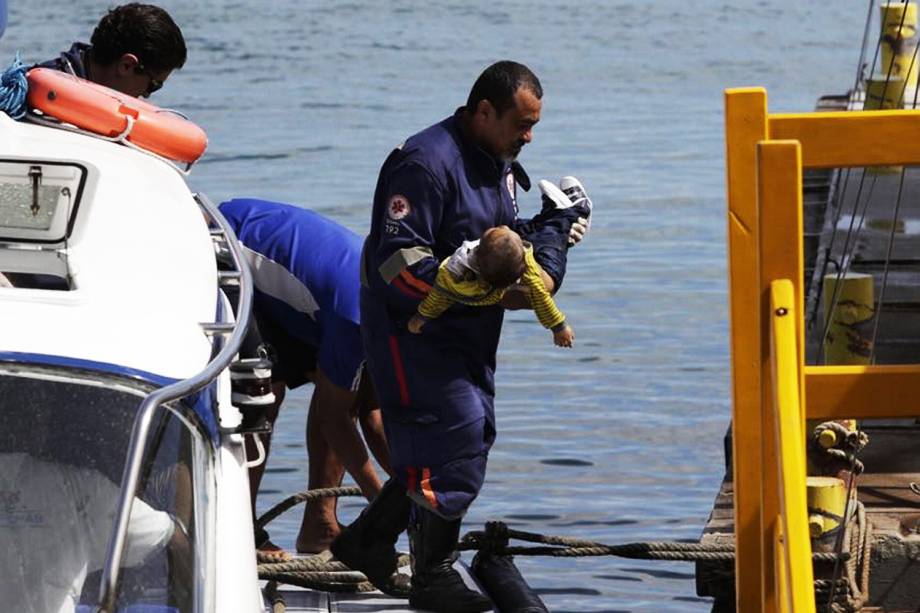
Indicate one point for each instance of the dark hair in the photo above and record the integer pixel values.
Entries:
(145, 30)
(500, 258)
(499, 82)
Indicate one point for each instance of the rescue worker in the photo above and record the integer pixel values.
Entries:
(134, 49)
(445, 185)
(305, 271)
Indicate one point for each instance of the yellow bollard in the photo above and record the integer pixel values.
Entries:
(884, 93)
(826, 504)
(849, 333)
(899, 43)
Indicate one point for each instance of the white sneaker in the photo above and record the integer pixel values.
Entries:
(553, 197)
(576, 194)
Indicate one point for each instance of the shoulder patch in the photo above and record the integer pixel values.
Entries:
(398, 207)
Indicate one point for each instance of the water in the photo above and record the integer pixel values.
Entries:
(619, 439)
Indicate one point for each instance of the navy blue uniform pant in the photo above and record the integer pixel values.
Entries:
(439, 421)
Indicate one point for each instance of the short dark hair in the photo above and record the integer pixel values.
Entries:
(145, 30)
(500, 257)
(499, 82)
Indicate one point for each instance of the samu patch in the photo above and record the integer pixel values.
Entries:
(398, 207)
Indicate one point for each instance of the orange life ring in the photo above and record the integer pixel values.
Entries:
(105, 111)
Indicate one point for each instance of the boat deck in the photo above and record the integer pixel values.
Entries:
(297, 600)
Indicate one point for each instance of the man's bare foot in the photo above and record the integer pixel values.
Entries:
(269, 553)
(315, 537)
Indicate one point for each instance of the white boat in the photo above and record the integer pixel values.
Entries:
(114, 343)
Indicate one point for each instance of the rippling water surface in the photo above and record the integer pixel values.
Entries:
(619, 439)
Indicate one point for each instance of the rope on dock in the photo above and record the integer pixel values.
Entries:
(275, 598)
(307, 496)
(314, 563)
(323, 573)
(496, 536)
(851, 593)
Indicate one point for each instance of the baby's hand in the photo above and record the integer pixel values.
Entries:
(416, 323)
(564, 337)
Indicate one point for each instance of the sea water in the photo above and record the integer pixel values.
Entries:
(620, 438)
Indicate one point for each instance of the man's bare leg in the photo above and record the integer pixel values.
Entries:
(268, 551)
(320, 524)
(338, 444)
(374, 436)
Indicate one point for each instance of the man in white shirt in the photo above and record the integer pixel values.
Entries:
(55, 522)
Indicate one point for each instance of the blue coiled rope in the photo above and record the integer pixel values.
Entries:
(13, 89)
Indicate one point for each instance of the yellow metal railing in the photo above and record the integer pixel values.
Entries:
(794, 575)
(765, 157)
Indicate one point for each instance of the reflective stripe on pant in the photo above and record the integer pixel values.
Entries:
(440, 424)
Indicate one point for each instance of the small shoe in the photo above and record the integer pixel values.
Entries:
(575, 192)
(553, 197)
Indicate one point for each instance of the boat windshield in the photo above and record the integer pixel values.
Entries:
(63, 440)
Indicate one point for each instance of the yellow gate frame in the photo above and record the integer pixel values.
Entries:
(765, 157)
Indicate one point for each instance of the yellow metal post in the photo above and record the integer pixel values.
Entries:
(745, 126)
(795, 584)
(779, 201)
(781, 571)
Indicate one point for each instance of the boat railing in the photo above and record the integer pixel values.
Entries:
(239, 273)
(766, 154)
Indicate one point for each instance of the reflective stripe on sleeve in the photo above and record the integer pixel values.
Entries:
(402, 259)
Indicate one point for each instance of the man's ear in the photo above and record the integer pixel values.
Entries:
(127, 63)
(484, 109)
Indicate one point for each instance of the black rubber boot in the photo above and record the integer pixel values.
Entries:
(436, 586)
(368, 543)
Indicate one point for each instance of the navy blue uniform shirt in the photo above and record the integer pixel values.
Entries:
(434, 192)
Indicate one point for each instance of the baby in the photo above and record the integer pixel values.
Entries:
(481, 274)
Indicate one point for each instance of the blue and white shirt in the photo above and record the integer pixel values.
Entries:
(306, 273)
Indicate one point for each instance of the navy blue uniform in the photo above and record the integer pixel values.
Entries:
(437, 388)
(306, 274)
(70, 61)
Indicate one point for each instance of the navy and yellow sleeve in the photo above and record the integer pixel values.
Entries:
(543, 304)
(437, 301)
